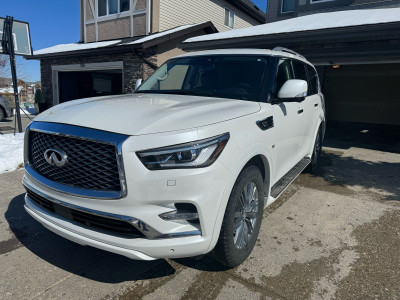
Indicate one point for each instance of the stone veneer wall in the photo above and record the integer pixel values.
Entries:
(133, 68)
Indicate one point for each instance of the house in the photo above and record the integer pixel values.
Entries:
(125, 40)
(356, 52)
(31, 88)
(278, 10)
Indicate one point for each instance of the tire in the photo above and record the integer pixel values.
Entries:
(2, 115)
(235, 242)
(316, 153)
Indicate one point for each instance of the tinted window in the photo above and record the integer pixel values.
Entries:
(102, 9)
(301, 73)
(285, 72)
(287, 5)
(124, 5)
(299, 70)
(229, 76)
(112, 7)
(313, 81)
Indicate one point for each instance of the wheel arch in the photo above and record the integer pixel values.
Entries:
(262, 162)
(321, 126)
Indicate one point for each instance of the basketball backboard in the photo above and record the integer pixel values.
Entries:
(21, 37)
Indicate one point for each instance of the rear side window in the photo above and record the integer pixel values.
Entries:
(285, 72)
(299, 70)
(312, 81)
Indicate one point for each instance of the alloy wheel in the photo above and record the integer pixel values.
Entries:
(245, 216)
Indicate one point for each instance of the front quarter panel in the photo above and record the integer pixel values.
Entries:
(246, 141)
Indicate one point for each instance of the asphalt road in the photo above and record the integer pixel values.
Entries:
(331, 235)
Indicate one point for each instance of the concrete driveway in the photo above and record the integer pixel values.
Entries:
(332, 235)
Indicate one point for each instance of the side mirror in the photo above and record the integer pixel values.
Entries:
(138, 83)
(293, 90)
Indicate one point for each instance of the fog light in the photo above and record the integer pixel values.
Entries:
(176, 215)
(185, 212)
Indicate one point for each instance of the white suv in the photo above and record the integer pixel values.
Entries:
(183, 166)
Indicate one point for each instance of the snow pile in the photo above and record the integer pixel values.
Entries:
(311, 22)
(11, 152)
(75, 47)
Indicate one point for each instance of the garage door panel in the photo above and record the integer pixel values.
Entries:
(364, 93)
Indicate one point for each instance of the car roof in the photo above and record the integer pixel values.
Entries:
(246, 51)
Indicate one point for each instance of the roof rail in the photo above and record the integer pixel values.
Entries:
(282, 49)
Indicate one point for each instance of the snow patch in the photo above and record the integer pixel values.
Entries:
(311, 22)
(9, 90)
(11, 151)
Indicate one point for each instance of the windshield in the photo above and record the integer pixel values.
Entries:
(237, 77)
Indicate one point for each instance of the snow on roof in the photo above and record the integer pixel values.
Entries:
(311, 22)
(75, 47)
(161, 34)
(85, 46)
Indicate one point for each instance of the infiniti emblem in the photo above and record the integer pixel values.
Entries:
(55, 157)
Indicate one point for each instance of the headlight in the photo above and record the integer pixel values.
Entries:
(196, 154)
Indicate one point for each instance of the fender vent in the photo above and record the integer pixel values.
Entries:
(266, 123)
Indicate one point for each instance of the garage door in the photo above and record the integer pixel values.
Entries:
(363, 93)
(83, 84)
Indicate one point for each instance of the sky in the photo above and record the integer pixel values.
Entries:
(51, 22)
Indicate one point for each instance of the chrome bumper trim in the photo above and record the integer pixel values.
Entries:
(144, 228)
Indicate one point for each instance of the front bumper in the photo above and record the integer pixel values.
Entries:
(163, 239)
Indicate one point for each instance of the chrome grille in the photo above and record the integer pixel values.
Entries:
(91, 165)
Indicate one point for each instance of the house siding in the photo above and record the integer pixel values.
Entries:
(108, 30)
(139, 25)
(274, 13)
(168, 49)
(114, 26)
(89, 13)
(174, 13)
(90, 32)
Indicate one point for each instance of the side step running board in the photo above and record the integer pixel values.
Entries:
(287, 179)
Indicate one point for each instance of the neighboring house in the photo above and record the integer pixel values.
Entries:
(278, 10)
(31, 88)
(5, 82)
(124, 40)
(8, 92)
(357, 54)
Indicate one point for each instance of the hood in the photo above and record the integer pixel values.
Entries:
(138, 114)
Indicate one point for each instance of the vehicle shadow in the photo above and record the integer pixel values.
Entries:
(87, 262)
(344, 135)
(347, 175)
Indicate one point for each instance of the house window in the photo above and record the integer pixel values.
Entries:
(229, 18)
(287, 6)
(110, 7)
